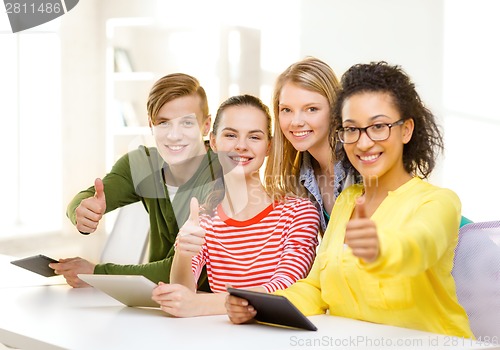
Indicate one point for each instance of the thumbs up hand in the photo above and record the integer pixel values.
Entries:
(99, 192)
(361, 234)
(191, 236)
(91, 210)
(194, 212)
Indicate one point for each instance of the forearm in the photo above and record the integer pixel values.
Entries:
(211, 304)
(155, 271)
(182, 272)
(419, 242)
(295, 262)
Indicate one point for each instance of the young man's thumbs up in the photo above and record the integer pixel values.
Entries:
(99, 192)
(91, 210)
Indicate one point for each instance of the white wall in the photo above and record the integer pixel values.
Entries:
(83, 108)
(83, 40)
(472, 114)
(450, 49)
(405, 32)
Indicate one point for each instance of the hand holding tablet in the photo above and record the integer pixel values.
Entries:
(274, 309)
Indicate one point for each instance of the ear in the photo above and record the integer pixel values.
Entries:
(212, 142)
(206, 125)
(408, 127)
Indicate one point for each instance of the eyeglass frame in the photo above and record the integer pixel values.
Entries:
(389, 125)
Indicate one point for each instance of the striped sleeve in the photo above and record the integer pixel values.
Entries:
(301, 238)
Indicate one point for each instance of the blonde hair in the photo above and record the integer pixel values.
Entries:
(284, 161)
(173, 86)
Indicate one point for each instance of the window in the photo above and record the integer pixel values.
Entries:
(31, 129)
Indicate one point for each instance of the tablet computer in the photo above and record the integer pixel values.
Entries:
(130, 290)
(274, 309)
(38, 264)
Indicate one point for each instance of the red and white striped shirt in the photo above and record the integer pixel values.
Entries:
(273, 249)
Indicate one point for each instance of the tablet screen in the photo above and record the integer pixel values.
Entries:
(38, 264)
(131, 290)
(274, 309)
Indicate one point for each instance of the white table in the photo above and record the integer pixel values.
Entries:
(56, 316)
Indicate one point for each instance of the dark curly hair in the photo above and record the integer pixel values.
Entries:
(419, 155)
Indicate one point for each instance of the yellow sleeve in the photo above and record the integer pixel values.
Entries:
(430, 232)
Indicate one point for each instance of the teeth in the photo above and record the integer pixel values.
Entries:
(370, 157)
(240, 159)
(300, 133)
(175, 148)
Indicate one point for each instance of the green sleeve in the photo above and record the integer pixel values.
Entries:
(155, 271)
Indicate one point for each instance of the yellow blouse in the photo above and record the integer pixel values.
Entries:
(410, 284)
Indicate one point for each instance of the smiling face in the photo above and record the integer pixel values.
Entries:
(304, 117)
(179, 128)
(241, 139)
(380, 160)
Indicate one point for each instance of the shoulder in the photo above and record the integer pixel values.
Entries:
(295, 205)
(291, 201)
(209, 166)
(350, 193)
(420, 194)
(429, 191)
(145, 160)
(144, 151)
(446, 196)
(142, 167)
(140, 153)
(299, 213)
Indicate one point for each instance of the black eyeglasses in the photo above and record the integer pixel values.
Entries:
(376, 132)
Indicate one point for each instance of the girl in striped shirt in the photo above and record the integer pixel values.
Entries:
(246, 237)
